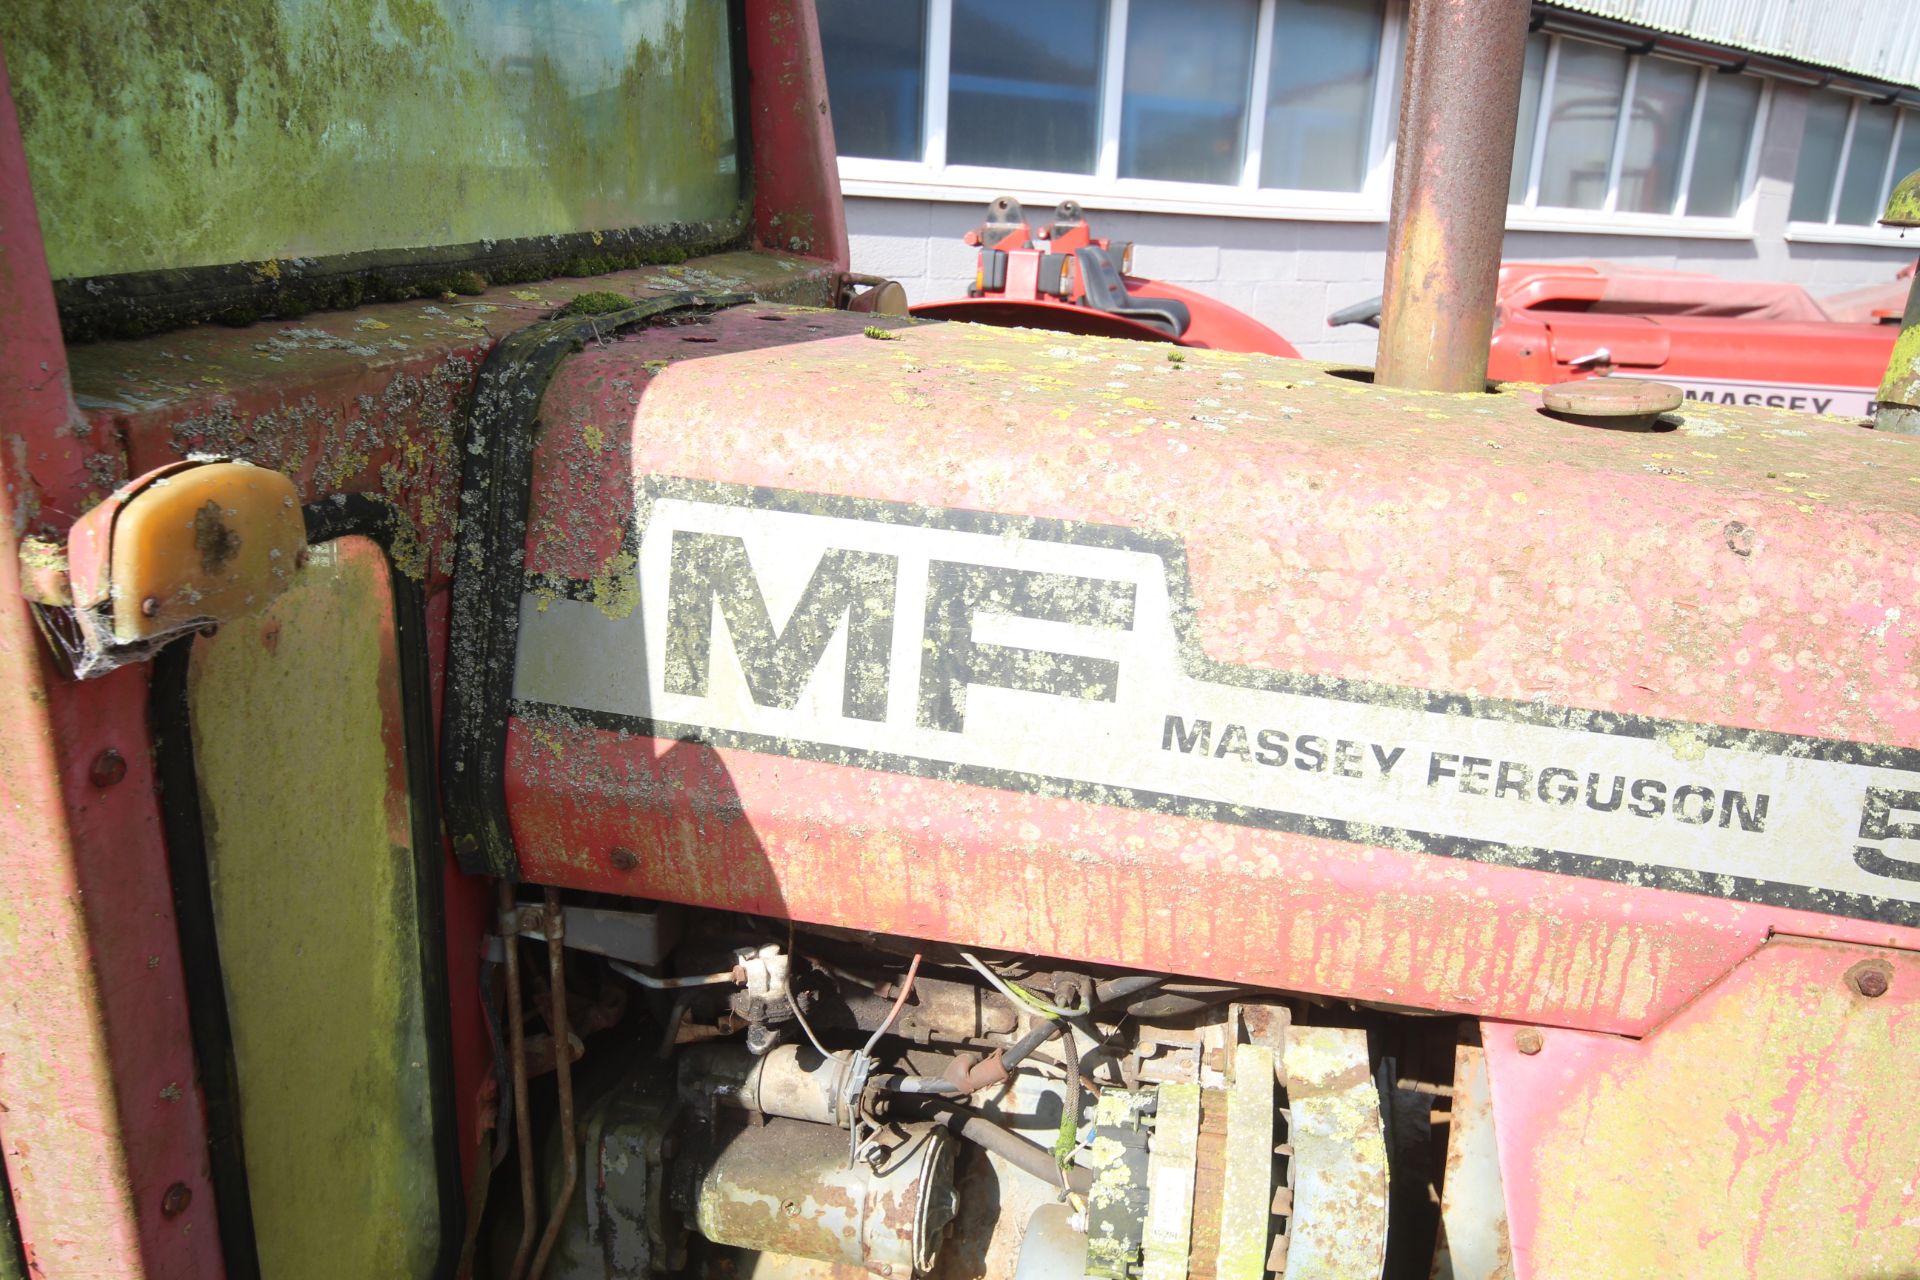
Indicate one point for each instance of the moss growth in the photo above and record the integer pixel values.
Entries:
(597, 302)
(878, 334)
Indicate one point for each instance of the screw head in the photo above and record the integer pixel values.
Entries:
(624, 859)
(108, 768)
(1529, 1041)
(1870, 979)
(791, 1209)
(175, 1201)
(150, 606)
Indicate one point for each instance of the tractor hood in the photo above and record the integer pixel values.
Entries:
(1213, 664)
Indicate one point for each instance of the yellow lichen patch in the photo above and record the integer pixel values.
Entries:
(615, 590)
(1766, 1132)
(594, 438)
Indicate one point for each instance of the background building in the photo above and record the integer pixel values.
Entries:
(1245, 146)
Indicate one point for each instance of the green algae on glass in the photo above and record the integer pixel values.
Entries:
(298, 748)
(174, 133)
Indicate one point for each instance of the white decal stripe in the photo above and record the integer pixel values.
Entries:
(1678, 800)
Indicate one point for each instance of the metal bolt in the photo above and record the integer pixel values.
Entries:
(175, 1201)
(109, 767)
(1529, 1041)
(624, 859)
(791, 1209)
(150, 606)
(1871, 982)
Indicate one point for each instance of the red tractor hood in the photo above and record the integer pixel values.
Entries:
(1229, 665)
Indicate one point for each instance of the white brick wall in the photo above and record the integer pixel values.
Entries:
(1290, 275)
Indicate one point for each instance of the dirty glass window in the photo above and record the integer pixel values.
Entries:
(1530, 73)
(876, 75)
(1110, 98)
(1189, 65)
(1819, 164)
(1727, 119)
(1607, 132)
(1320, 91)
(1863, 184)
(1023, 103)
(1582, 113)
(1852, 152)
(165, 134)
(1661, 117)
(1906, 153)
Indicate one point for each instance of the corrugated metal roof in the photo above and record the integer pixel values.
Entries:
(1875, 38)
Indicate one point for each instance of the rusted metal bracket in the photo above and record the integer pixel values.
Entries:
(185, 546)
(1339, 1226)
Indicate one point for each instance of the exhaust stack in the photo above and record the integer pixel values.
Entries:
(1458, 111)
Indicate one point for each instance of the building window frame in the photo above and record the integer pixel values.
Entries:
(1832, 231)
(1529, 215)
(932, 178)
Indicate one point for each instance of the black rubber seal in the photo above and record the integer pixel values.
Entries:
(489, 576)
(144, 302)
(13, 1262)
(207, 1022)
(212, 1034)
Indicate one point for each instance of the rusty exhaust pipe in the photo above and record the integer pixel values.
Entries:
(1458, 111)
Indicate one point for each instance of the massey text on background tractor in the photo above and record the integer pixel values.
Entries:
(546, 736)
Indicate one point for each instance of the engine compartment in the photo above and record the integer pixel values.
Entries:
(747, 1097)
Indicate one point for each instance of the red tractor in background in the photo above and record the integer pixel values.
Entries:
(539, 746)
(1067, 280)
(1722, 341)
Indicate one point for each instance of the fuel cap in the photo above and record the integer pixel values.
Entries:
(1623, 404)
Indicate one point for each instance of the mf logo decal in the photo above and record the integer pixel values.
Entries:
(1056, 658)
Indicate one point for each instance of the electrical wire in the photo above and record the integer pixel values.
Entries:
(652, 983)
(863, 1063)
(1014, 991)
(800, 1015)
(906, 985)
